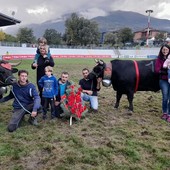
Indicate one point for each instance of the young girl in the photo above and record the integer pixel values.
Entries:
(49, 84)
(42, 41)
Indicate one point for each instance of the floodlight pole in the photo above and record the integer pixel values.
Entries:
(149, 11)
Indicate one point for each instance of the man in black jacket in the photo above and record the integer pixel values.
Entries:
(90, 89)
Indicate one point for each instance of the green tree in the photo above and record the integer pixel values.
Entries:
(80, 31)
(26, 35)
(125, 35)
(71, 29)
(110, 38)
(10, 38)
(2, 35)
(52, 36)
(160, 37)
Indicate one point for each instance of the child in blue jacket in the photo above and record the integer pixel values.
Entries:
(49, 84)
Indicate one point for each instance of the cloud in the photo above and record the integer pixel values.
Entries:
(93, 12)
(164, 10)
(38, 11)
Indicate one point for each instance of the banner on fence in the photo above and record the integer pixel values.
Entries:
(14, 57)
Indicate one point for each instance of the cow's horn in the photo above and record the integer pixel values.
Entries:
(15, 64)
(96, 60)
(101, 62)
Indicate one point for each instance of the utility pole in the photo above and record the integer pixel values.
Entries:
(149, 11)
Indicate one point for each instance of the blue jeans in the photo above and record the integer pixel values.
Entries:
(92, 99)
(168, 73)
(165, 89)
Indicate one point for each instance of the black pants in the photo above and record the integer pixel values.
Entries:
(47, 102)
(40, 89)
(58, 111)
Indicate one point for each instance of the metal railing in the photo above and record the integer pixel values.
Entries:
(91, 46)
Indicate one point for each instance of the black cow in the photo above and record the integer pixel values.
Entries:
(6, 75)
(127, 77)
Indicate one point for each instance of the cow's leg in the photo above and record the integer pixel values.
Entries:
(130, 99)
(118, 97)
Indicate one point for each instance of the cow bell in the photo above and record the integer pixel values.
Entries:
(3, 90)
(106, 82)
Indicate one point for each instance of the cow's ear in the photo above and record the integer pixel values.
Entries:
(14, 70)
(96, 60)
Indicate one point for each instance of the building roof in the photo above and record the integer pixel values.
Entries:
(6, 20)
(150, 29)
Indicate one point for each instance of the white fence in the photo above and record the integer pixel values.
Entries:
(137, 53)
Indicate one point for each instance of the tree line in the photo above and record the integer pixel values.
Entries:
(78, 32)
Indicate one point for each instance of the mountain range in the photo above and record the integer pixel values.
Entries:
(115, 20)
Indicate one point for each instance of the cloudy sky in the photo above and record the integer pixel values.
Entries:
(38, 11)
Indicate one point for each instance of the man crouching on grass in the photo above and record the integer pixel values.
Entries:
(26, 101)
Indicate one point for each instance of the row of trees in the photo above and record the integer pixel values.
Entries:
(79, 32)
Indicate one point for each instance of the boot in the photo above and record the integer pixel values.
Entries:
(33, 121)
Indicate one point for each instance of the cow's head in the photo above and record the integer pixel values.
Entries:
(6, 73)
(98, 70)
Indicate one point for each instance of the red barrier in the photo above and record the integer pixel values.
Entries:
(14, 57)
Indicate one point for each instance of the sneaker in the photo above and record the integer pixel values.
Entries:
(40, 110)
(168, 119)
(95, 111)
(164, 116)
(44, 116)
(53, 120)
(33, 121)
(12, 127)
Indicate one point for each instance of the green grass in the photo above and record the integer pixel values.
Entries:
(108, 140)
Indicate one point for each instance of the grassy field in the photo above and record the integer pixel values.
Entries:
(108, 140)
